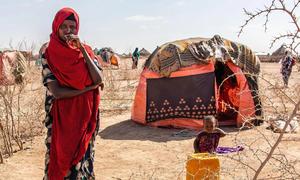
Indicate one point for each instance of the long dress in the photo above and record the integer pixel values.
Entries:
(84, 169)
(286, 69)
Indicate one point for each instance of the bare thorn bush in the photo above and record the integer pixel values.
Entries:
(21, 111)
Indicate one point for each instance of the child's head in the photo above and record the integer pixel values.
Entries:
(210, 123)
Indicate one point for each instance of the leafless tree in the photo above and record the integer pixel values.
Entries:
(292, 34)
(287, 7)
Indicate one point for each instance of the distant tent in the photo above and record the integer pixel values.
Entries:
(124, 55)
(185, 80)
(108, 57)
(144, 52)
(280, 51)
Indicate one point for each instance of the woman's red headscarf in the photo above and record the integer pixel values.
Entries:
(74, 119)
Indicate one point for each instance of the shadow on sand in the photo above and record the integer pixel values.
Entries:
(128, 130)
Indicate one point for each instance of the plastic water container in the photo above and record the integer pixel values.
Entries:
(203, 166)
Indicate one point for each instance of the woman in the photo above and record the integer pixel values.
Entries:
(286, 67)
(72, 79)
(135, 58)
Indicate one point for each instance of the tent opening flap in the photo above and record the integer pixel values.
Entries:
(228, 100)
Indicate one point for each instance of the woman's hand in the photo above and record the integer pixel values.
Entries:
(60, 92)
(73, 40)
(92, 87)
(218, 130)
(101, 85)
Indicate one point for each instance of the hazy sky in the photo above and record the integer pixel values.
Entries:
(125, 24)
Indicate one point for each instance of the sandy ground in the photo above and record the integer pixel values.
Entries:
(126, 150)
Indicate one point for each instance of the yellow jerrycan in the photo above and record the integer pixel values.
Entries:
(202, 166)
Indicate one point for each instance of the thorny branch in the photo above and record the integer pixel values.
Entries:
(274, 7)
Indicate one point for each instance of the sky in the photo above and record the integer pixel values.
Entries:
(126, 24)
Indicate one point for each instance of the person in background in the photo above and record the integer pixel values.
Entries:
(208, 139)
(287, 63)
(135, 58)
(71, 76)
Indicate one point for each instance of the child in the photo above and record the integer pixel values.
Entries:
(208, 139)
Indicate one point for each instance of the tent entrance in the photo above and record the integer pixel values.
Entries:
(228, 101)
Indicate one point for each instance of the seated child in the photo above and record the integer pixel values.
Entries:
(208, 139)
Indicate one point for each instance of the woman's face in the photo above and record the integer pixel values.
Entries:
(66, 28)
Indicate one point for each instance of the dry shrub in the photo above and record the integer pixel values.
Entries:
(263, 156)
(119, 89)
(276, 101)
(21, 110)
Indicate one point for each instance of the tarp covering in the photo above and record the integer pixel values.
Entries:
(180, 75)
(174, 55)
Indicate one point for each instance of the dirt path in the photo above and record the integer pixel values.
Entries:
(125, 150)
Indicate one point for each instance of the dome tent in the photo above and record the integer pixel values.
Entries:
(144, 52)
(185, 80)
